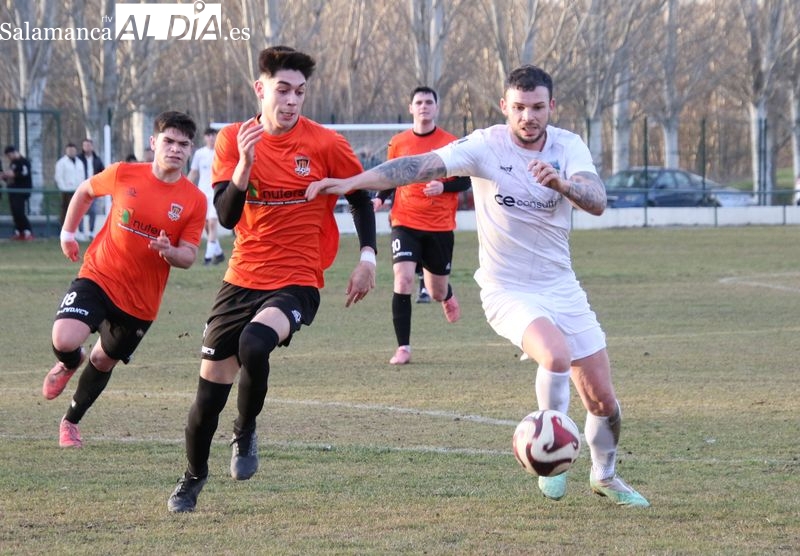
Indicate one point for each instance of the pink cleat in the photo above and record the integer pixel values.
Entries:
(68, 435)
(452, 311)
(402, 356)
(56, 380)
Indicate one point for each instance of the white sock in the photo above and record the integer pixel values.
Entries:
(210, 251)
(602, 436)
(217, 249)
(552, 389)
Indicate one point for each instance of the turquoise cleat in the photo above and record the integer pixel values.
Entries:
(619, 492)
(555, 487)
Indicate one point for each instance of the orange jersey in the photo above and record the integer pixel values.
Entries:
(411, 207)
(282, 238)
(119, 259)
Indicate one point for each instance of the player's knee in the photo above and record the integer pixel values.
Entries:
(256, 342)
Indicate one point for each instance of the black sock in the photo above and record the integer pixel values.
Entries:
(255, 345)
(401, 317)
(449, 292)
(202, 424)
(90, 385)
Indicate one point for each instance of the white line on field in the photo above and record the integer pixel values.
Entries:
(320, 403)
(757, 281)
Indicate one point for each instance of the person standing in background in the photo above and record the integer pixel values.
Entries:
(18, 177)
(91, 165)
(69, 175)
(200, 174)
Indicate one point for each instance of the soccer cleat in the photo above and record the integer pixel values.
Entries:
(424, 296)
(452, 311)
(619, 492)
(184, 497)
(68, 435)
(555, 487)
(206, 261)
(56, 380)
(218, 259)
(402, 356)
(244, 458)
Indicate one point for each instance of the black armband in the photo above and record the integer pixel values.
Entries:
(363, 218)
(457, 184)
(229, 202)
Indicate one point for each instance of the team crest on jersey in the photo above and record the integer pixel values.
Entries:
(175, 211)
(302, 165)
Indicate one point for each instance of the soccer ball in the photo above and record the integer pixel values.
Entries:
(546, 443)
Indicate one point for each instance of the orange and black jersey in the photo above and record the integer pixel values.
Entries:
(411, 207)
(119, 259)
(282, 238)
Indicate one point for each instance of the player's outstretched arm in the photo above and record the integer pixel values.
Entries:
(392, 173)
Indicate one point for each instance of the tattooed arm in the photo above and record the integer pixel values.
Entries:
(390, 174)
(584, 190)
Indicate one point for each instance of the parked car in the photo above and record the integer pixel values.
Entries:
(660, 187)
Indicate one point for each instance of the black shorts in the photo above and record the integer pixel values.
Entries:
(120, 333)
(433, 249)
(235, 306)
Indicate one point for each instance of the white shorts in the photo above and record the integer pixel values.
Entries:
(510, 313)
(211, 210)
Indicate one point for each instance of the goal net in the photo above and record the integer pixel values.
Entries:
(369, 141)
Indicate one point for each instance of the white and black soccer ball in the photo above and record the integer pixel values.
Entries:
(546, 442)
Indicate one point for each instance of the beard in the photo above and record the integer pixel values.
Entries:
(527, 140)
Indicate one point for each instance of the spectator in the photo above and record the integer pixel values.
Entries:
(91, 165)
(69, 175)
(18, 178)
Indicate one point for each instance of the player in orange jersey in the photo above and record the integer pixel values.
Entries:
(283, 244)
(423, 218)
(156, 222)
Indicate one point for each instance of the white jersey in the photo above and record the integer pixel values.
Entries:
(523, 227)
(203, 157)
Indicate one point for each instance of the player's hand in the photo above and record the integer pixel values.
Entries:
(433, 188)
(249, 134)
(161, 244)
(327, 186)
(71, 249)
(377, 204)
(547, 176)
(361, 281)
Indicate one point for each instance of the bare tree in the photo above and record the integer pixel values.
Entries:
(33, 64)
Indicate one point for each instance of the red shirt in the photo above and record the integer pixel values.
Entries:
(282, 238)
(119, 259)
(411, 207)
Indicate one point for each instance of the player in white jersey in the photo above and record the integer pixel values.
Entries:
(200, 174)
(526, 177)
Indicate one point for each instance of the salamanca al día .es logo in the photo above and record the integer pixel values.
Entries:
(188, 22)
(198, 21)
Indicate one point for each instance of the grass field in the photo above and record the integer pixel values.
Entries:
(359, 457)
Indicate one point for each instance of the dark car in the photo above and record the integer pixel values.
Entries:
(660, 187)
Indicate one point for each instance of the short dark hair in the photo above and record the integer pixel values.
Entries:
(179, 120)
(427, 90)
(210, 131)
(73, 145)
(276, 58)
(528, 77)
(10, 149)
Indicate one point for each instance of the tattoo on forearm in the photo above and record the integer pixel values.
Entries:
(587, 193)
(412, 169)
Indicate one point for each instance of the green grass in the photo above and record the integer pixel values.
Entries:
(359, 457)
